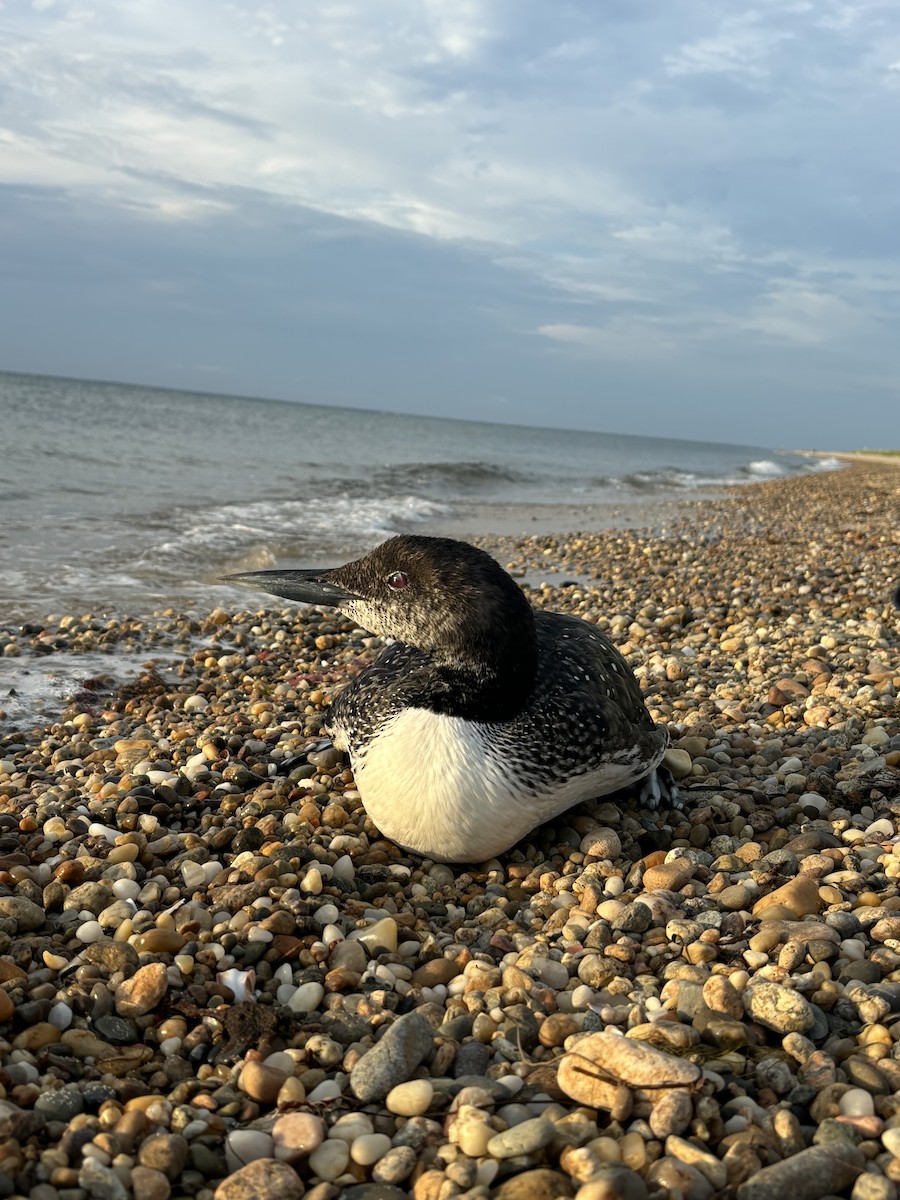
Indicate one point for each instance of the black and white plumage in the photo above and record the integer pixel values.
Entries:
(484, 718)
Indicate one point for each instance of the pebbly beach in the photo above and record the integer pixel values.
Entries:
(218, 980)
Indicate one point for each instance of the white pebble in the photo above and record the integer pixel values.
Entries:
(856, 1103)
(551, 972)
(158, 777)
(281, 1062)
(813, 800)
(193, 875)
(409, 1099)
(344, 869)
(89, 931)
(351, 1126)
(880, 828)
(331, 934)
(306, 998)
(326, 1090)
(487, 1172)
(852, 949)
(329, 1160)
(126, 889)
(755, 958)
(95, 829)
(196, 703)
(367, 1149)
(170, 1046)
(891, 1140)
(326, 914)
(247, 1145)
(60, 1016)
(512, 1083)
(312, 882)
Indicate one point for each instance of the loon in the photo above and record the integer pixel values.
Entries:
(483, 718)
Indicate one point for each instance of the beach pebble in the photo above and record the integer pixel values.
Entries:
(807, 1175)
(306, 998)
(779, 1008)
(101, 1181)
(164, 1152)
(296, 1135)
(263, 1179)
(330, 1159)
(369, 1148)
(395, 1166)
(261, 1082)
(602, 843)
(247, 1145)
(392, 1059)
(523, 1138)
(143, 991)
(410, 1099)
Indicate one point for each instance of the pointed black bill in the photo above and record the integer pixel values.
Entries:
(308, 587)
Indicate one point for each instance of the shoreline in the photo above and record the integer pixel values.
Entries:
(203, 938)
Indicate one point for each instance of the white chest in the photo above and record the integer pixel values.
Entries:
(433, 784)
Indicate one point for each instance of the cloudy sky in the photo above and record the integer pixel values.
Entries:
(628, 215)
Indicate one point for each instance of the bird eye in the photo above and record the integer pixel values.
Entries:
(397, 581)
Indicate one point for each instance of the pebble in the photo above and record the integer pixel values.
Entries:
(330, 1160)
(410, 1099)
(261, 1082)
(137, 996)
(296, 1135)
(369, 1148)
(779, 1008)
(523, 1138)
(264, 1179)
(807, 1175)
(392, 1059)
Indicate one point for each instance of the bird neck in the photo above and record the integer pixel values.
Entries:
(487, 678)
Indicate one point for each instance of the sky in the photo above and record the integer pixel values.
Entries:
(626, 215)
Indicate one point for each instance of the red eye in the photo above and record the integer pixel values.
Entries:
(397, 580)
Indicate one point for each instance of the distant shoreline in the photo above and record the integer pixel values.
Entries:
(892, 457)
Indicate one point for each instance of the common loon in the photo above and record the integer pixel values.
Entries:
(483, 718)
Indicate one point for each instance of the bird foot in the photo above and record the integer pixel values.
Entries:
(659, 788)
(324, 743)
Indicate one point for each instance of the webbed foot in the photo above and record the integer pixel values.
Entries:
(659, 788)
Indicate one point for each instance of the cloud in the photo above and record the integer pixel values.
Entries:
(648, 178)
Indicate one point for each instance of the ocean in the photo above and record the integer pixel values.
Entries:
(123, 499)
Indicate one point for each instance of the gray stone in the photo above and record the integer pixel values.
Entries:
(634, 918)
(27, 915)
(61, 1105)
(809, 1175)
(100, 1182)
(524, 1138)
(393, 1059)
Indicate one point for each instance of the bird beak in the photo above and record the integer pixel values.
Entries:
(309, 587)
